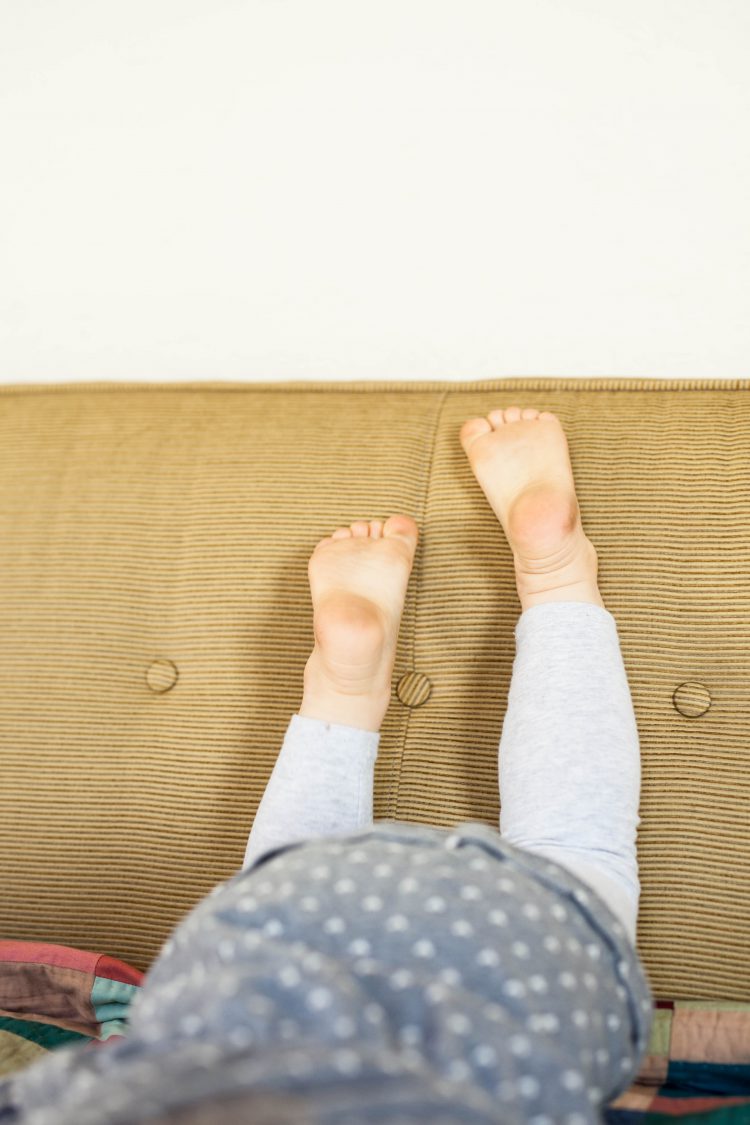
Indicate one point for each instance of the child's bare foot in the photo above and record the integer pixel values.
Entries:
(358, 578)
(521, 461)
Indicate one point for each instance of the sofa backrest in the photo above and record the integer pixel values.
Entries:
(156, 619)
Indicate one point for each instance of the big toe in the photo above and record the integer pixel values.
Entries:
(472, 429)
(403, 526)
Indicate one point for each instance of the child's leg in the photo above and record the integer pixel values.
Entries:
(321, 785)
(569, 756)
(569, 753)
(322, 781)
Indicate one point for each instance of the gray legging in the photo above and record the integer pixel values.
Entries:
(569, 761)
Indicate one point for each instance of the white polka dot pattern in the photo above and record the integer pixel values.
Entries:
(456, 963)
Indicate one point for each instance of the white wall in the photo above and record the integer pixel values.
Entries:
(342, 189)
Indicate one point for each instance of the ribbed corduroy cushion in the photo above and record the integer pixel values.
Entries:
(156, 618)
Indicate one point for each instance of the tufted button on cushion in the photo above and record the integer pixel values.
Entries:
(691, 699)
(414, 689)
(162, 675)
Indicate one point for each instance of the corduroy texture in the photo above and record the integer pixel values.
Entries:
(156, 619)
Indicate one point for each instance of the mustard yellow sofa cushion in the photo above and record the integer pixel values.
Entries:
(156, 619)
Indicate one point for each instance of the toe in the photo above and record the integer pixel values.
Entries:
(404, 526)
(342, 533)
(360, 529)
(529, 414)
(376, 529)
(473, 429)
(496, 417)
(513, 414)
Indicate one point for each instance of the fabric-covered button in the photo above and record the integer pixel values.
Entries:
(414, 689)
(691, 699)
(162, 675)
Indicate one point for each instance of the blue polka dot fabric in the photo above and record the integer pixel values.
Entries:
(406, 973)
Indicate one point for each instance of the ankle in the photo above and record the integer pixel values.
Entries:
(326, 701)
(347, 712)
(574, 592)
(575, 579)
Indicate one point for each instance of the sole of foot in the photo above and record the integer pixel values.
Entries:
(358, 579)
(521, 461)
